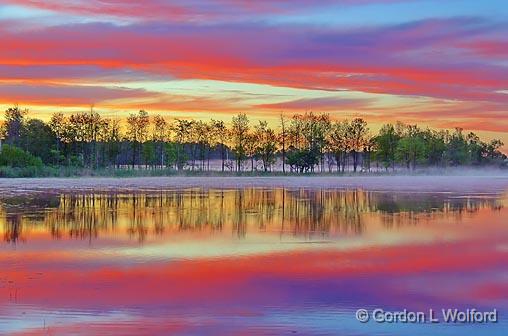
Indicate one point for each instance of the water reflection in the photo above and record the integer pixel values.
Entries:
(304, 213)
(251, 261)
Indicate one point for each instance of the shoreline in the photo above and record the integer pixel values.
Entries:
(394, 183)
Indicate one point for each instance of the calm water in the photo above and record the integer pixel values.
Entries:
(249, 262)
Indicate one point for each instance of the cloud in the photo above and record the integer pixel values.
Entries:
(65, 95)
(487, 48)
(395, 60)
(320, 104)
(203, 11)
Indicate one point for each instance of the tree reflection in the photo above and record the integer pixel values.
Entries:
(305, 213)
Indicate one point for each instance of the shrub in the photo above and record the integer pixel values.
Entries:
(12, 156)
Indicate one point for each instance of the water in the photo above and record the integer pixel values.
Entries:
(249, 262)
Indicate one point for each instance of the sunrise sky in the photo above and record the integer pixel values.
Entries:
(437, 63)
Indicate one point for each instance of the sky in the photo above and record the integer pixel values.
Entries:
(441, 64)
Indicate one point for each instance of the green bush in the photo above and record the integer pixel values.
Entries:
(12, 156)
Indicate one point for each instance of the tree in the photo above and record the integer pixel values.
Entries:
(160, 136)
(200, 139)
(386, 143)
(305, 141)
(251, 147)
(338, 143)
(239, 136)
(492, 150)
(308, 136)
(411, 148)
(38, 139)
(357, 134)
(58, 126)
(435, 146)
(181, 131)
(368, 147)
(137, 131)
(282, 140)
(148, 150)
(16, 157)
(457, 149)
(14, 120)
(112, 138)
(95, 127)
(266, 141)
(78, 133)
(220, 136)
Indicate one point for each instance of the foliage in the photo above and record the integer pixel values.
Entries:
(16, 157)
(88, 143)
(387, 142)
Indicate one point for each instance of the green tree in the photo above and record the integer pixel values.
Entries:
(435, 146)
(457, 149)
(148, 150)
(38, 139)
(411, 148)
(386, 143)
(13, 156)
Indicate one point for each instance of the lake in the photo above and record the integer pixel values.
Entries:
(250, 261)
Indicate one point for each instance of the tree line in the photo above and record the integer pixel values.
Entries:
(304, 143)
